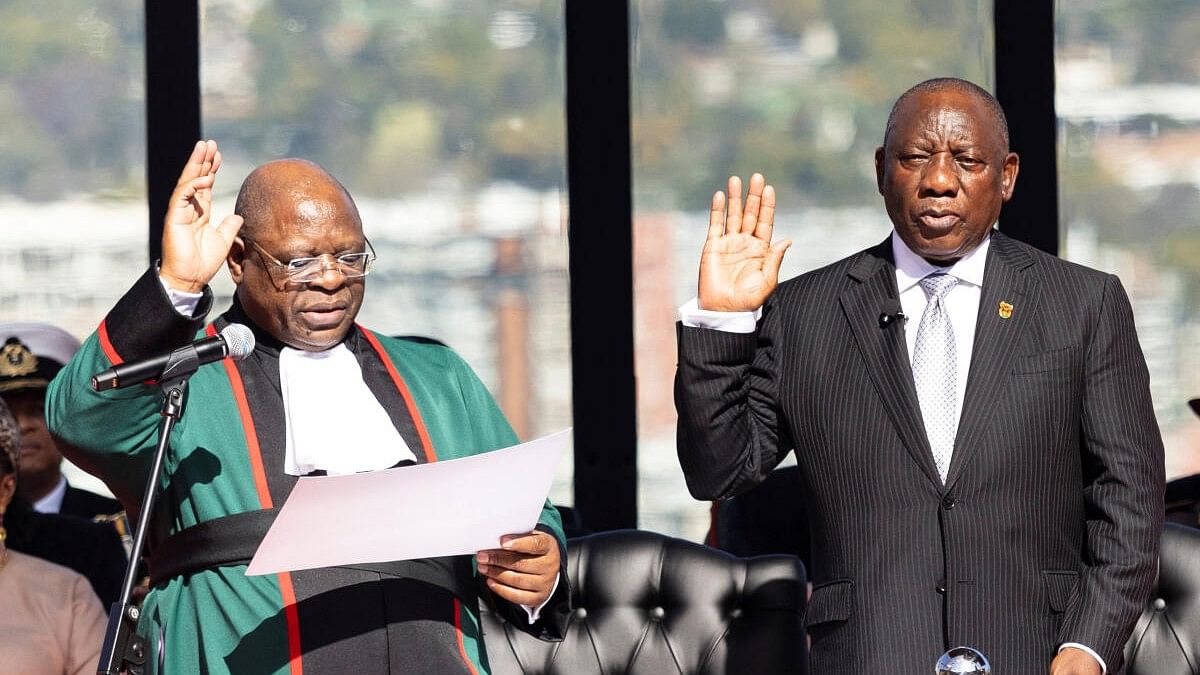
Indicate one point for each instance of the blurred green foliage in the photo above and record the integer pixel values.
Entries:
(395, 96)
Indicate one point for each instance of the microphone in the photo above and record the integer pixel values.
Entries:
(236, 342)
(889, 312)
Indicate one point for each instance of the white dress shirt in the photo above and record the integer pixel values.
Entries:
(962, 303)
(52, 502)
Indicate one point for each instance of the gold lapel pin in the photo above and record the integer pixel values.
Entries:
(1005, 310)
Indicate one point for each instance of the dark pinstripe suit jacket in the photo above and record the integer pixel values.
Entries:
(1046, 530)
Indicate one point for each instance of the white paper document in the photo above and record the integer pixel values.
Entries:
(451, 507)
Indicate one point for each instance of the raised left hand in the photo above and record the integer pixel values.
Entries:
(523, 569)
(1071, 661)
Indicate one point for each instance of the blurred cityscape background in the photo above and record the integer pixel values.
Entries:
(445, 119)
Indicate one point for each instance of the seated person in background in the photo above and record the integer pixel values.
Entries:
(319, 394)
(51, 621)
(91, 549)
(32, 355)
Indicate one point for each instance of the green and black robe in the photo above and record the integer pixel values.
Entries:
(226, 458)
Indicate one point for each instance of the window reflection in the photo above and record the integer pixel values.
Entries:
(1128, 101)
(72, 185)
(72, 179)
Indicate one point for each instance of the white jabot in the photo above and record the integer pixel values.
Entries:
(334, 423)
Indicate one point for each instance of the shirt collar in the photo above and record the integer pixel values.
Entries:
(52, 502)
(912, 268)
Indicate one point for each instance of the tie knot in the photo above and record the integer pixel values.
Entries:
(937, 285)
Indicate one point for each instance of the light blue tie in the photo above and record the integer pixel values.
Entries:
(934, 366)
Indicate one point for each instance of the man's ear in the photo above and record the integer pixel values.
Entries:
(1012, 166)
(236, 259)
(879, 159)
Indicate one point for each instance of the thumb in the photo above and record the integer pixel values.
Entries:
(774, 259)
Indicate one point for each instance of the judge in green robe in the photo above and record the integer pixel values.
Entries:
(313, 398)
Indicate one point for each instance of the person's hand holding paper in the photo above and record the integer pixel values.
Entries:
(352, 516)
(523, 569)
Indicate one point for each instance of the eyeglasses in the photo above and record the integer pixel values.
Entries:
(308, 270)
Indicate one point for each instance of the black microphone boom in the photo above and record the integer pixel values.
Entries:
(236, 342)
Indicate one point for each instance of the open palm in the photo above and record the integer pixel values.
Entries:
(193, 250)
(739, 268)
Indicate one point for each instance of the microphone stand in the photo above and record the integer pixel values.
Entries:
(124, 651)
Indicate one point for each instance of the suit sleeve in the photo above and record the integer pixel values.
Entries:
(489, 424)
(113, 433)
(1123, 485)
(730, 434)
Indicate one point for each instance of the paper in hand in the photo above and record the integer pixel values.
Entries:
(452, 507)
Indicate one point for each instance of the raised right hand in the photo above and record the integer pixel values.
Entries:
(193, 249)
(739, 268)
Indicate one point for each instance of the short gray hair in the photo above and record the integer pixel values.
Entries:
(954, 84)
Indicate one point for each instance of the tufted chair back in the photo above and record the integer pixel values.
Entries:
(650, 604)
(1166, 639)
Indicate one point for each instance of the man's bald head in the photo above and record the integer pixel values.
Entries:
(952, 84)
(286, 183)
(293, 209)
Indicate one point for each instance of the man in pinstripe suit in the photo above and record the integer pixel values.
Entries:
(980, 463)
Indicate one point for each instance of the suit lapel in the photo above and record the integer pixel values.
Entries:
(1004, 281)
(885, 352)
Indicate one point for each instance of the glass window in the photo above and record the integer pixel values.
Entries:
(1128, 102)
(73, 139)
(73, 177)
(796, 89)
(445, 120)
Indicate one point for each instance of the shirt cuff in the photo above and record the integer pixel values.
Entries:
(727, 322)
(536, 612)
(184, 302)
(1090, 651)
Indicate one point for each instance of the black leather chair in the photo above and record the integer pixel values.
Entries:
(1166, 638)
(650, 604)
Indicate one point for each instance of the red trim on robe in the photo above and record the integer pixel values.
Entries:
(286, 591)
(458, 631)
(422, 432)
(256, 461)
(106, 345)
(292, 613)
